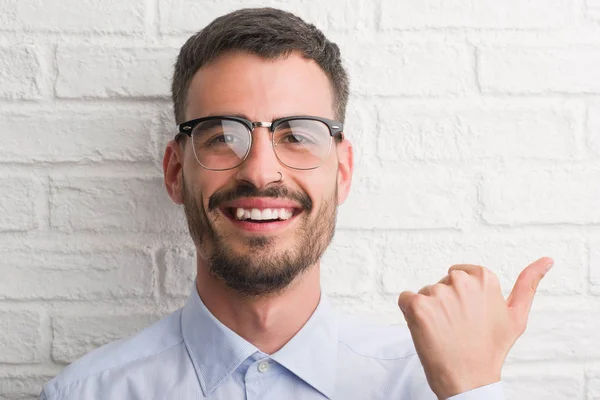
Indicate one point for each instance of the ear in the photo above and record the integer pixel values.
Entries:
(345, 169)
(173, 171)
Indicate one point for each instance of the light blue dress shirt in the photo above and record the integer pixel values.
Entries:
(192, 355)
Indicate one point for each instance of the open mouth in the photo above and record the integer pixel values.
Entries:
(261, 216)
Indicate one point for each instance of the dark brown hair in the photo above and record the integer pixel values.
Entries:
(267, 32)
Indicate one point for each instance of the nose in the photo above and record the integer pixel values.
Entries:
(261, 166)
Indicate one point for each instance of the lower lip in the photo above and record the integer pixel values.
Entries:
(260, 226)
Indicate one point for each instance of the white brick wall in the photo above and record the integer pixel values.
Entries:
(476, 125)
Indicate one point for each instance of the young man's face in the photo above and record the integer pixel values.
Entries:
(258, 257)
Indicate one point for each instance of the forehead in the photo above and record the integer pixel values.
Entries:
(260, 89)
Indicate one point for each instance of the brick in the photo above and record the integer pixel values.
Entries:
(559, 334)
(593, 379)
(22, 386)
(421, 199)
(442, 131)
(593, 11)
(401, 270)
(593, 127)
(190, 16)
(537, 383)
(20, 72)
(20, 337)
(108, 72)
(120, 135)
(359, 127)
(17, 204)
(595, 266)
(409, 69)
(533, 14)
(74, 336)
(520, 69)
(348, 265)
(112, 16)
(120, 273)
(118, 204)
(536, 196)
(336, 15)
(180, 271)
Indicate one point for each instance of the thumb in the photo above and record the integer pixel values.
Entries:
(521, 297)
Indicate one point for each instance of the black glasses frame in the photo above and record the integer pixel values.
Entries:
(336, 128)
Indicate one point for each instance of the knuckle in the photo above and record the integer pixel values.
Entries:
(425, 290)
(457, 276)
(489, 278)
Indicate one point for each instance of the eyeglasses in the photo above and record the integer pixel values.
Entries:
(223, 142)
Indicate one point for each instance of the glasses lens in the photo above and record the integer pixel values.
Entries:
(302, 143)
(220, 143)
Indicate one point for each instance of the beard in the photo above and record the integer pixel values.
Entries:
(263, 269)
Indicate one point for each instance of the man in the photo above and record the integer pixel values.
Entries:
(260, 165)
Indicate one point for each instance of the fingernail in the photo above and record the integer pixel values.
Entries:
(548, 267)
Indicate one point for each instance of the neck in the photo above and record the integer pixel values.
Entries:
(268, 322)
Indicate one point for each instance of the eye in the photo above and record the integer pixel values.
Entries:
(223, 139)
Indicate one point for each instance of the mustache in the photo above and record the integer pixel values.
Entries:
(276, 192)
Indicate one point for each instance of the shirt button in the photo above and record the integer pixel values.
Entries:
(263, 366)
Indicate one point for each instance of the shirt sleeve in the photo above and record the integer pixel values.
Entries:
(494, 391)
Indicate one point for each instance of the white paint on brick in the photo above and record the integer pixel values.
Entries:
(76, 335)
(20, 74)
(536, 382)
(478, 130)
(105, 72)
(485, 14)
(20, 337)
(190, 16)
(43, 275)
(595, 265)
(17, 205)
(15, 386)
(593, 127)
(360, 128)
(539, 69)
(396, 68)
(408, 198)
(559, 334)
(593, 384)
(348, 265)
(92, 16)
(65, 135)
(180, 271)
(530, 195)
(105, 204)
(405, 264)
(593, 11)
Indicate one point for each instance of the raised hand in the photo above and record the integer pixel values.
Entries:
(463, 328)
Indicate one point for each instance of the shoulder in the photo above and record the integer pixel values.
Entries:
(372, 339)
(148, 343)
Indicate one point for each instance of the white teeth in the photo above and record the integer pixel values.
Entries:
(266, 214)
(261, 215)
(256, 214)
(239, 213)
(285, 214)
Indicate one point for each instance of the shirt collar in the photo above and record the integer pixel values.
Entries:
(216, 351)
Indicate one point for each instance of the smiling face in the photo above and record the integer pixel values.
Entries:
(259, 225)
